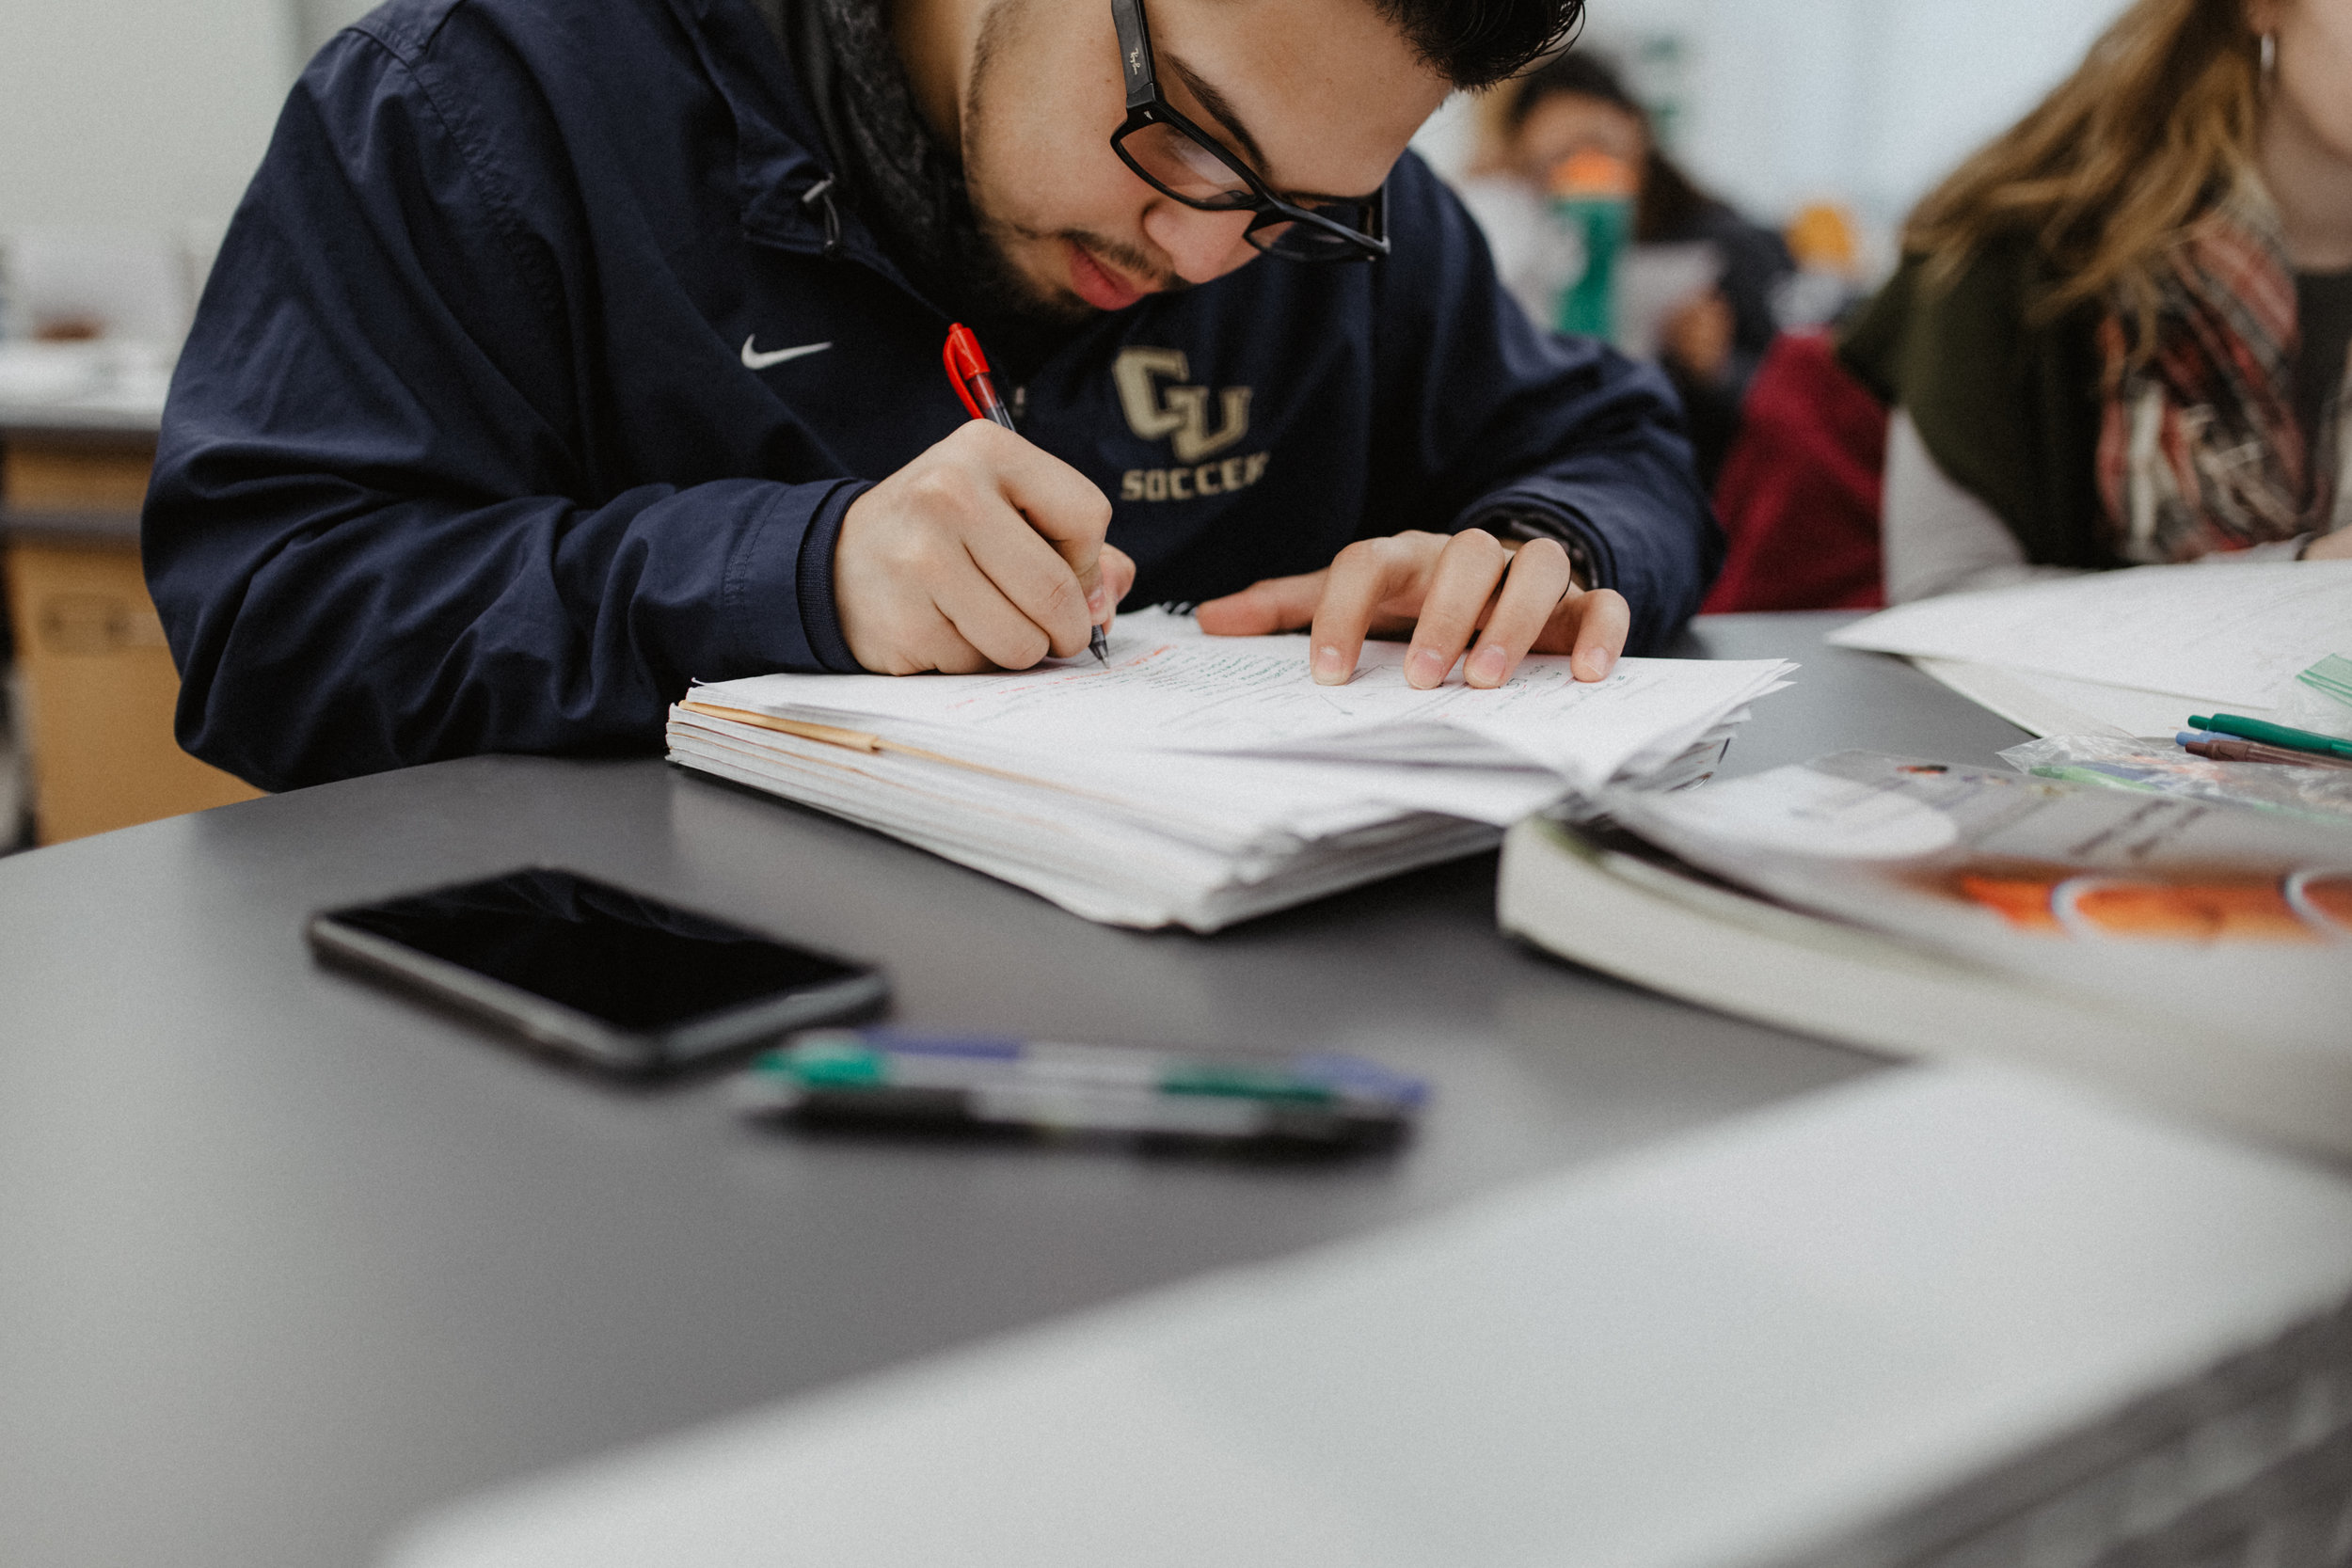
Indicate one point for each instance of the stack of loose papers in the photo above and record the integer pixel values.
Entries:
(1199, 781)
(2131, 653)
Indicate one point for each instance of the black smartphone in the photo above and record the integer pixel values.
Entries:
(614, 978)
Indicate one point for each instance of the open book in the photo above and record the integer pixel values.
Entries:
(1199, 781)
(2194, 956)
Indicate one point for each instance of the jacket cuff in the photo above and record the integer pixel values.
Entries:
(821, 617)
(778, 594)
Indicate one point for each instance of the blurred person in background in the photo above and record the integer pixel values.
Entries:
(2120, 334)
(1576, 103)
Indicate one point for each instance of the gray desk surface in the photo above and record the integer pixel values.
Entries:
(284, 1262)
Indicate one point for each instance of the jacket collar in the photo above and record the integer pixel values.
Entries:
(791, 198)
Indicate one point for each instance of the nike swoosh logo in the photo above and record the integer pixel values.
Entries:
(754, 359)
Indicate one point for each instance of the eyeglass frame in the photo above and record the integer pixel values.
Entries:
(1146, 107)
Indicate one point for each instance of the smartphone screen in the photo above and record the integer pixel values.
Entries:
(637, 966)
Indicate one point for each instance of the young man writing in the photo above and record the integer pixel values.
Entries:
(562, 354)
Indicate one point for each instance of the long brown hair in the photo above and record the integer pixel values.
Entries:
(2156, 125)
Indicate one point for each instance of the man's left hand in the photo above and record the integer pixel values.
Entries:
(1516, 598)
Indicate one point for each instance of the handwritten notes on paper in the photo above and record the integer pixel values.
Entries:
(1170, 688)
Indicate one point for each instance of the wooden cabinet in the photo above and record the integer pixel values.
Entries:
(98, 684)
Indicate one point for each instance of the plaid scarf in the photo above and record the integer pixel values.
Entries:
(2200, 450)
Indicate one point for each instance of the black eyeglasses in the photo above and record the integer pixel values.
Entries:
(1177, 158)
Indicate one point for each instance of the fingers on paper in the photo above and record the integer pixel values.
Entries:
(1454, 599)
(1363, 578)
(1591, 628)
(1537, 579)
(1275, 604)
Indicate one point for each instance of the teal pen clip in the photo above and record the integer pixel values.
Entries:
(2272, 735)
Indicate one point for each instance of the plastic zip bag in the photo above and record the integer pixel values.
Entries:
(2320, 699)
(2161, 767)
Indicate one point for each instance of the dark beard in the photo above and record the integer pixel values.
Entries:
(910, 185)
(907, 183)
(1021, 323)
(1000, 301)
(1005, 306)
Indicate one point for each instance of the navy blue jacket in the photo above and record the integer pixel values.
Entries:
(468, 451)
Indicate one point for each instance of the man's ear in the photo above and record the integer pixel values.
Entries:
(2262, 16)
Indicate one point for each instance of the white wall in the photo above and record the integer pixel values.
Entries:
(119, 114)
(316, 21)
(1868, 102)
(152, 113)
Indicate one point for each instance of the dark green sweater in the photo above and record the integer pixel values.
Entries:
(2008, 410)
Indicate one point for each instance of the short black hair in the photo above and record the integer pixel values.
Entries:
(1476, 43)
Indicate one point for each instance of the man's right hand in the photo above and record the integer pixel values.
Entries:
(984, 553)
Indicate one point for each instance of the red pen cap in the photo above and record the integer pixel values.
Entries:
(967, 368)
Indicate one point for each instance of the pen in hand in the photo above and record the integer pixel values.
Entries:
(967, 368)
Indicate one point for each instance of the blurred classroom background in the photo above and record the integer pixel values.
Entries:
(130, 128)
(1861, 103)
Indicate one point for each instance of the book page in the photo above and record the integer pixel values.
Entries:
(2226, 634)
(2238, 916)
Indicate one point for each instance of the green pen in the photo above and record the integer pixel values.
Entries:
(2272, 735)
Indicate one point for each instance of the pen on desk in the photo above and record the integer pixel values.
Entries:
(967, 368)
(2223, 747)
(2273, 735)
(890, 1077)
